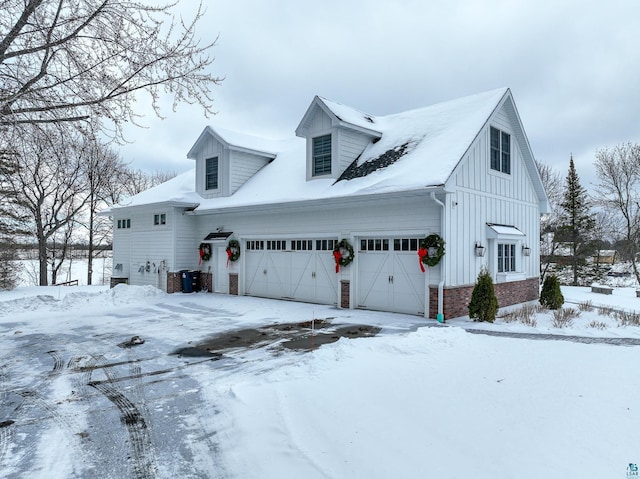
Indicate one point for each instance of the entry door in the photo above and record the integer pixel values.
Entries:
(389, 275)
(221, 274)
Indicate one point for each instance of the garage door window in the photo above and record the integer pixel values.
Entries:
(276, 245)
(301, 245)
(326, 245)
(405, 244)
(255, 245)
(374, 244)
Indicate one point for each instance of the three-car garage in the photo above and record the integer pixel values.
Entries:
(386, 275)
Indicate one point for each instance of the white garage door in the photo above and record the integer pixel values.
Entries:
(299, 269)
(389, 275)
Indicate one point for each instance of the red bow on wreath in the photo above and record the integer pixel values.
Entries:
(422, 253)
(337, 256)
(229, 255)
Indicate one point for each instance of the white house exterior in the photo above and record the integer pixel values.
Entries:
(463, 170)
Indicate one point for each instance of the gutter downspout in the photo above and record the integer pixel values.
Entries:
(440, 315)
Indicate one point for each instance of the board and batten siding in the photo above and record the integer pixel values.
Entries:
(350, 145)
(211, 148)
(483, 196)
(319, 123)
(243, 166)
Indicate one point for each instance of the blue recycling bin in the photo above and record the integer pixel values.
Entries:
(187, 282)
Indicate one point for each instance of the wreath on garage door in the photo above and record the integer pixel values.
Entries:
(233, 251)
(205, 252)
(431, 250)
(342, 254)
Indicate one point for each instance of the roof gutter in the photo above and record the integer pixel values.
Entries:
(440, 315)
(324, 203)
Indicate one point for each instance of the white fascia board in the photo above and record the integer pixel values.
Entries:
(323, 203)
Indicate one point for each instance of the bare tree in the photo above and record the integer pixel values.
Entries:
(71, 60)
(12, 225)
(103, 170)
(48, 183)
(618, 170)
(552, 182)
(59, 249)
(133, 182)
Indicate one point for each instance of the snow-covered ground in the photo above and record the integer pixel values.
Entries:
(418, 400)
(74, 269)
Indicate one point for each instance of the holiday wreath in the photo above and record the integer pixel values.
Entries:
(205, 252)
(431, 250)
(342, 254)
(233, 251)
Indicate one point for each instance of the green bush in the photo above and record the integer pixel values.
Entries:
(484, 304)
(551, 296)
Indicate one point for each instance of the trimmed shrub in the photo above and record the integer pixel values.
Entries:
(551, 296)
(484, 304)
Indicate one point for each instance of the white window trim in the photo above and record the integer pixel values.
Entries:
(123, 224)
(206, 161)
(159, 217)
(334, 154)
(506, 234)
(500, 172)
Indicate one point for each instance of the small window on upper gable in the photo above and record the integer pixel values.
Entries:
(321, 155)
(211, 174)
(500, 151)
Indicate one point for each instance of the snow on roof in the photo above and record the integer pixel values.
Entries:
(436, 139)
(350, 115)
(178, 190)
(236, 140)
(245, 141)
(505, 230)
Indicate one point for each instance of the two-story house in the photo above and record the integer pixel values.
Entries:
(462, 170)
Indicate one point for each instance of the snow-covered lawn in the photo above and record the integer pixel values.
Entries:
(419, 400)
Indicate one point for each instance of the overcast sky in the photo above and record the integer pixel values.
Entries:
(573, 67)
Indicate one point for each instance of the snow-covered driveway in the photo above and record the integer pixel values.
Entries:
(77, 400)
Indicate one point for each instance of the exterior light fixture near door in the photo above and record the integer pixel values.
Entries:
(526, 250)
(479, 249)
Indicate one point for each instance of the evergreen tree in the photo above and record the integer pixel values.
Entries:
(577, 222)
(551, 296)
(484, 304)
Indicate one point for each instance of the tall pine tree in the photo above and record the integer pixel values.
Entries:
(576, 221)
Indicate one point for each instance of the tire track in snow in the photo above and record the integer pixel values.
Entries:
(143, 453)
(4, 424)
(58, 363)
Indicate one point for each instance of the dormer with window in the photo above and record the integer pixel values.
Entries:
(225, 160)
(336, 135)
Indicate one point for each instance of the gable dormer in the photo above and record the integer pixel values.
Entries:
(336, 135)
(225, 160)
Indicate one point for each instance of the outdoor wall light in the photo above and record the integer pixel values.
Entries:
(526, 250)
(479, 249)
